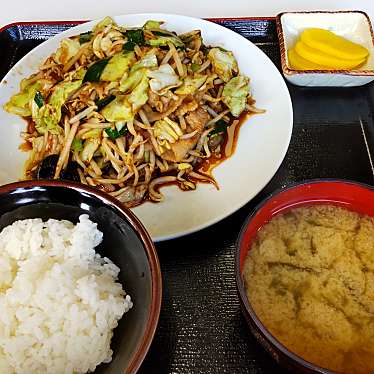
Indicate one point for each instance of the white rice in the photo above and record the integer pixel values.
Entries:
(59, 300)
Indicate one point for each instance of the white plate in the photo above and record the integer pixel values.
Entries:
(262, 143)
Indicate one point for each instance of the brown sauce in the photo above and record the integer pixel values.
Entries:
(206, 167)
(25, 147)
(30, 125)
(208, 164)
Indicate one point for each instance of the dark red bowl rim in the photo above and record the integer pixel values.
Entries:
(149, 247)
(239, 280)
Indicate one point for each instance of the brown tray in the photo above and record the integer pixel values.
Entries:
(201, 328)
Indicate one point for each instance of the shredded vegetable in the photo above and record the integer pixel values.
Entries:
(129, 109)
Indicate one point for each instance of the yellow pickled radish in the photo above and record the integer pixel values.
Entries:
(321, 58)
(332, 44)
(297, 62)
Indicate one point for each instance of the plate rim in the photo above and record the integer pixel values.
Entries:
(80, 21)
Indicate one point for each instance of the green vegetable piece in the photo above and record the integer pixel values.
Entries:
(195, 67)
(27, 82)
(166, 130)
(76, 145)
(146, 156)
(139, 95)
(136, 36)
(89, 148)
(79, 73)
(85, 37)
(19, 104)
(114, 133)
(163, 78)
(164, 40)
(101, 103)
(94, 72)
(94, 133)
(48, 116)
(137, 72)
(61, 92)
(103, 24)
(20, 100)
(224, 63)
(132, 80)
(68, 49)
(220, 127)
(38, 98)
(149, 60)
(235, 94)
(164, 33)
(190, 36)
(152, 25)
(119, 125)
(128, 47)
(117, 65)
(190, 85)
(46, 119)
(118, 110)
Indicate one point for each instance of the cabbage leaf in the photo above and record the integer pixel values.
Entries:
(164, 40)
(103, 24)
(151, 24)
(235, 94)
(89, 148)
(149, 60)
(130, 82)
(163, 78)
(139, 95)
(48, 116)
(117, 66)
(68, 49)
(120, 109)
(137, 71)
(223, 62)
(19, 104)
(190, 85)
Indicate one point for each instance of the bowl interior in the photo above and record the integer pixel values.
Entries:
(121, 243)
(352, 196)
(352, 25)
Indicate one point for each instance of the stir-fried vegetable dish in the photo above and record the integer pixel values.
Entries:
(129, 109)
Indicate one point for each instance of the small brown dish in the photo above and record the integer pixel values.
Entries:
(125, 242)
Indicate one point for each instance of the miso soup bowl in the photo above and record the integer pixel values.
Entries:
(350, 195)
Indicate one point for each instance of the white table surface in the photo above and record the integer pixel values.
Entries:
(38, 10)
